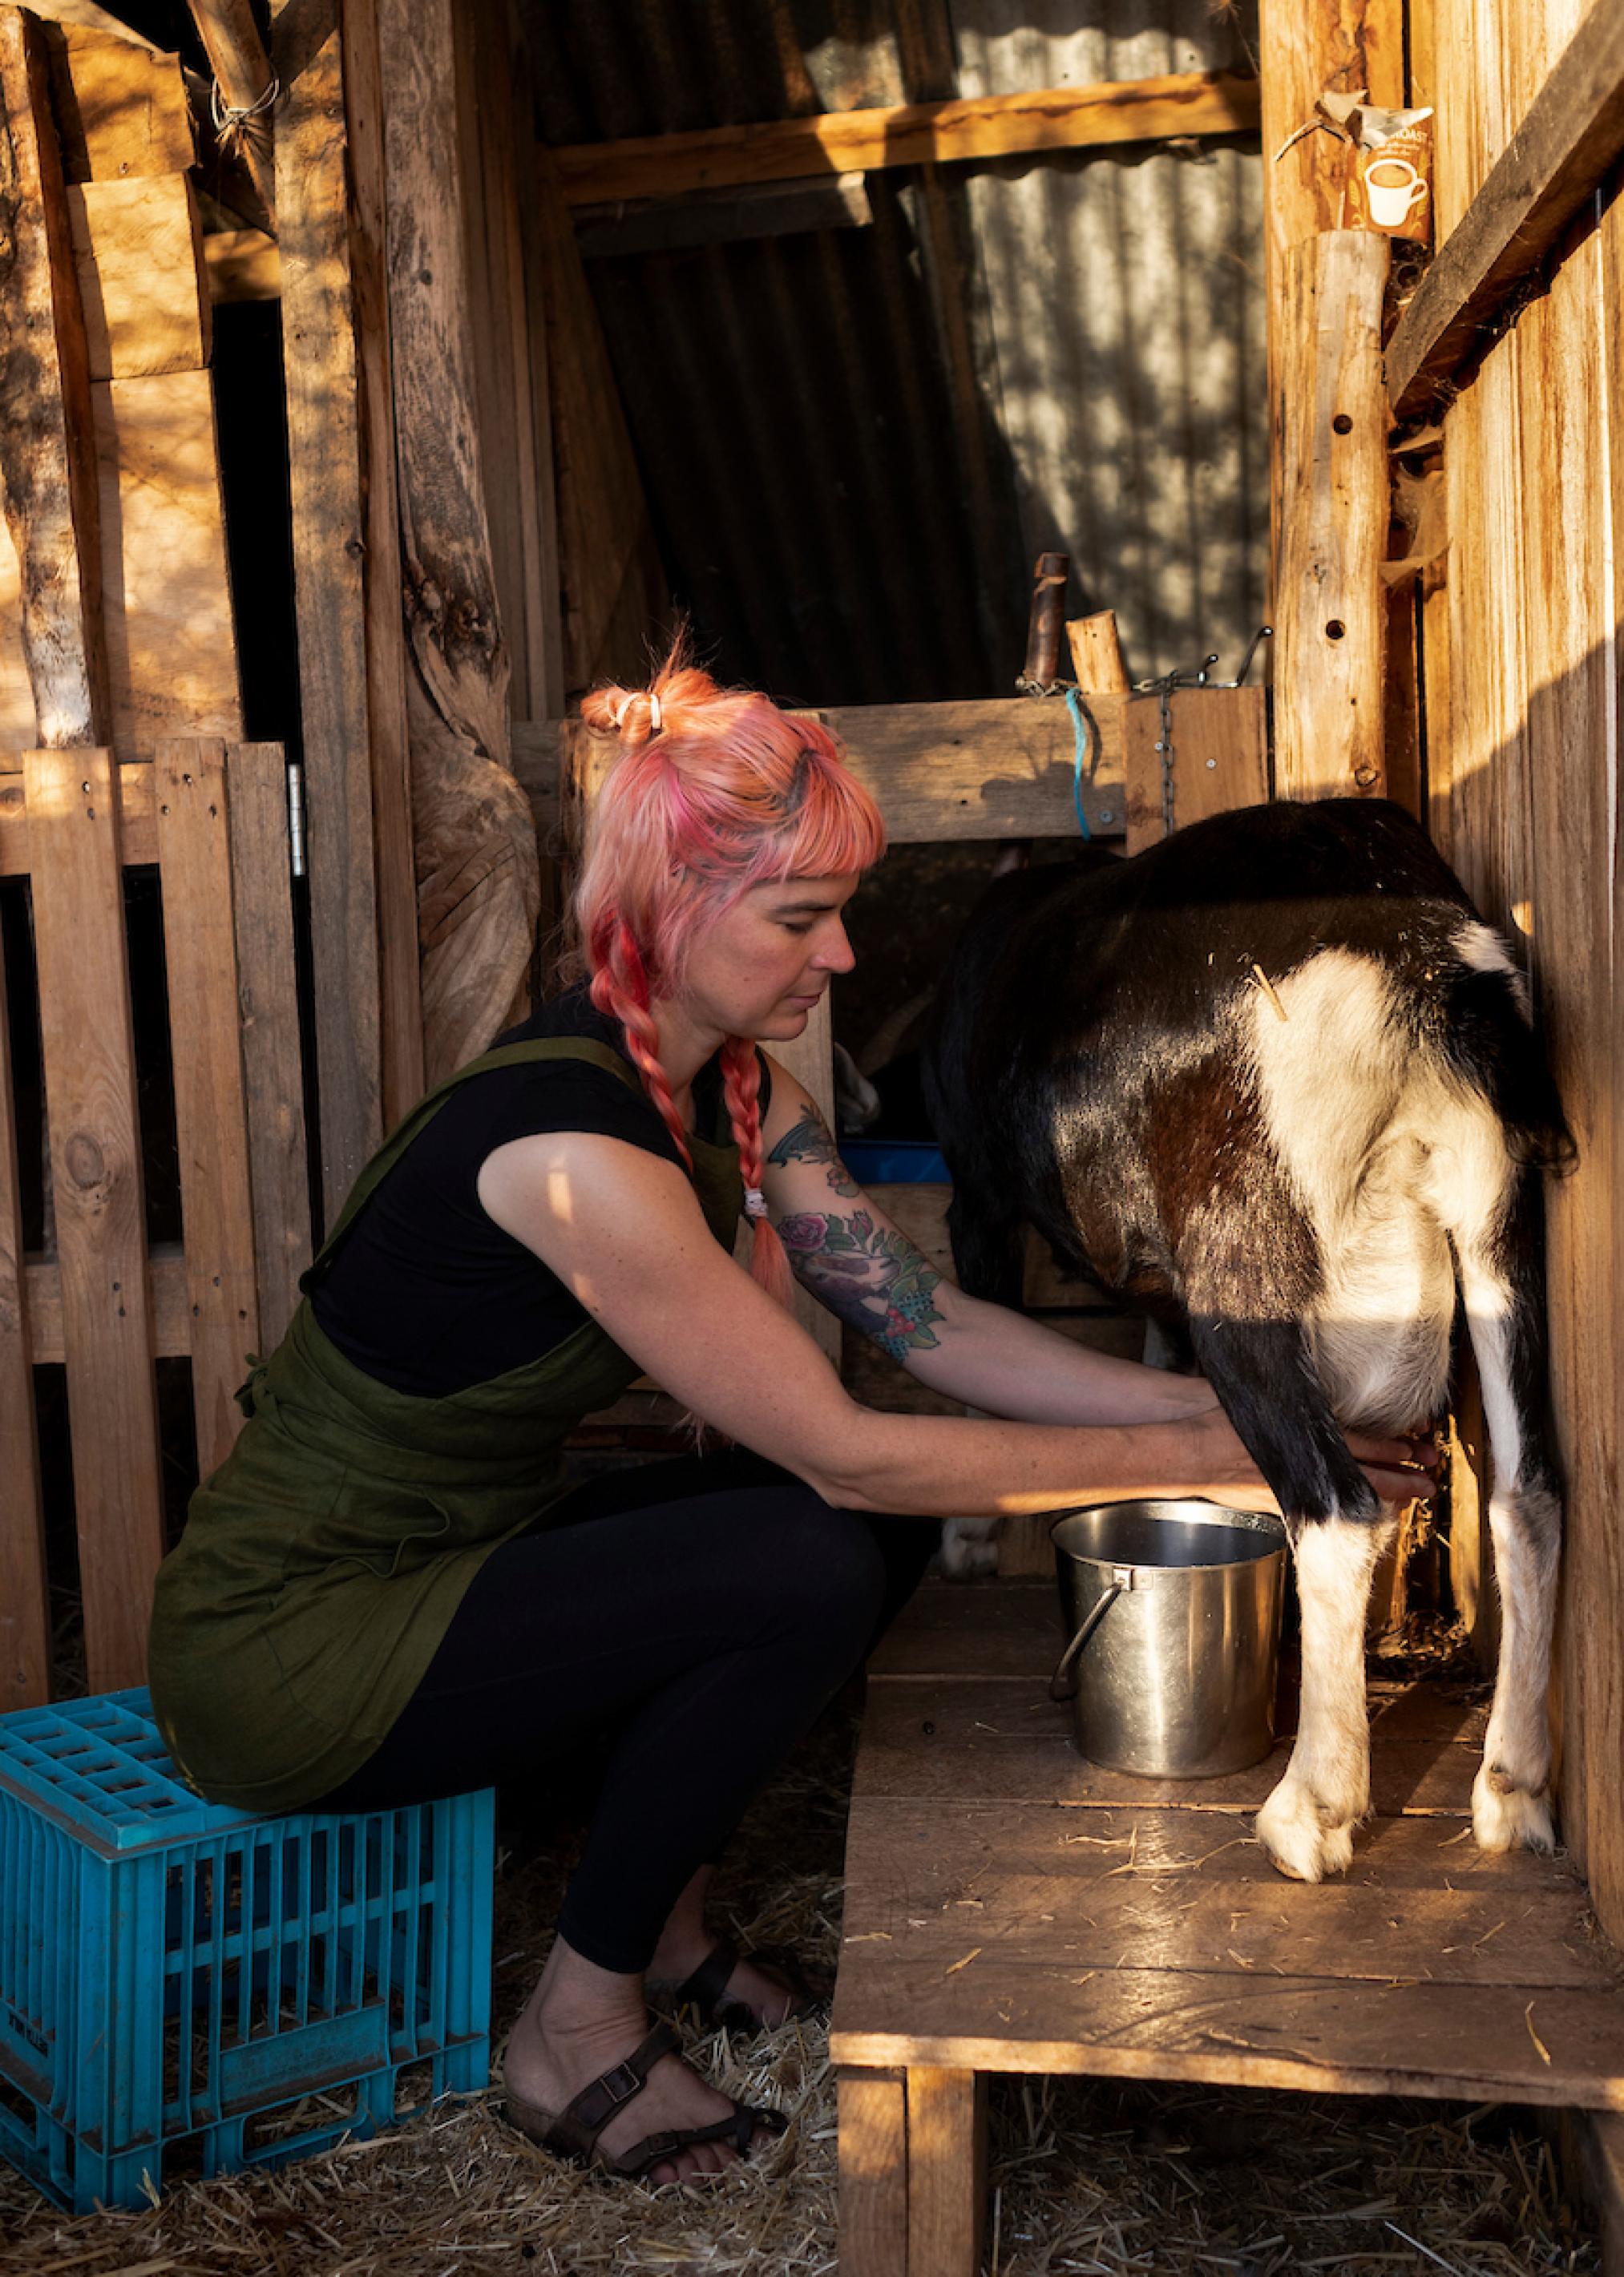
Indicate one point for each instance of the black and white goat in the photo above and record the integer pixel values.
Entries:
(1274, 1081)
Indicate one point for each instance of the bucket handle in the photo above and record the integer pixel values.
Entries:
(1063, 1683)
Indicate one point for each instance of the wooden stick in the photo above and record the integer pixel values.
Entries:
(1330, 610)
(47, 441)
(1177, 104)
(243, 77)
(1047, 617)
(1566, 145)
(100, 1217)
(874, 2174)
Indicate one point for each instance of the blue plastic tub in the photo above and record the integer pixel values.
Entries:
(895, 1162)
(169, 1969)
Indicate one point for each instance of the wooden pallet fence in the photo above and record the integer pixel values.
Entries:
(213, 820)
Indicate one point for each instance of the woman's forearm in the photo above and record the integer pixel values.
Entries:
(993, 1359)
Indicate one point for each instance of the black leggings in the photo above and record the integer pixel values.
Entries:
(701, 1612)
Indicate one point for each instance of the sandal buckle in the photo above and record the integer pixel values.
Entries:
(620, 2085)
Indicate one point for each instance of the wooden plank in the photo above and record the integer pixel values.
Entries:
(137, 828)
(874, 2174)
(200, 948)
(170, 640)
(243, 79)
(120, 111)
(1329, 605)
(272, 1065)
(96, 1177)
(1560, 153)
(243, 264)
(24, 1592)
(993, 1739)
(947, 2171)
(1191, 1889)
(1472, 2043)
(478, 883)
(1177, 104)
(170, 1305)
(138, 248)
(1220, 758)
(330, 544)
(395, 873)
(947, 1629)
(47, 446)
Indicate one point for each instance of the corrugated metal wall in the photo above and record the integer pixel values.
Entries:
(855, 439)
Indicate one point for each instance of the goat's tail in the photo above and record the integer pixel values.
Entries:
(1489, 1041)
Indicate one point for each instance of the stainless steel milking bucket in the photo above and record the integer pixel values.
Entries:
(1173, 1612)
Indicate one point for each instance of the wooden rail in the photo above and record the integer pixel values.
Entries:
(105, 1304)
(1175, 104)
(1568, 141)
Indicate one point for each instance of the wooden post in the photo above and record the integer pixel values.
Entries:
(874, 2174)
(47, 443)
(947, 2171)
(25, 1596)
(479, 883)
(1096, 654)
(1332, 457)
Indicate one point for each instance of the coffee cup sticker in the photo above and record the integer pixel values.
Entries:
(1393, 188)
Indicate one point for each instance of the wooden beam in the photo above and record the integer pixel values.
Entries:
(243, 264)
(947, 2170)
(243, 82)
(1177, 104)
(1330, 614)
(166, 1294)
(874, 2174)
(1566, 145)
(331, 535)
(1220, 758)
(119, 111)
(133, 788)
(96, 1176)
(478, 888)
(47, 446)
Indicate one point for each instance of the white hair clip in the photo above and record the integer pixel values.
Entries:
(654, 714)
(755, 1202)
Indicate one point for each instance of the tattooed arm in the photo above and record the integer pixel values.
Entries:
(867, 1272)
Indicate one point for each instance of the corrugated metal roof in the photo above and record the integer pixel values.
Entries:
(855, 439)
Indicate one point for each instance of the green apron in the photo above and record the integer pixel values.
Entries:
(323, 1562)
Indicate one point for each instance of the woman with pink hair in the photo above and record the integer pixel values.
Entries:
(387, 1593)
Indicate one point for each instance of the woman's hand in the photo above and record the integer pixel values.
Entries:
(1400, 1470)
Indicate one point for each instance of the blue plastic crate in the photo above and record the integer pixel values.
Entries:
(169, 1969)
(895, 1162)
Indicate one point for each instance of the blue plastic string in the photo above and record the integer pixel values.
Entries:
(1082, 728)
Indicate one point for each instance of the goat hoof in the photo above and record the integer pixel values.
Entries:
(1300, 1846)
(1509, 1818)
(969, 1548)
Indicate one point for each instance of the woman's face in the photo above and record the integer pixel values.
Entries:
(760, 968)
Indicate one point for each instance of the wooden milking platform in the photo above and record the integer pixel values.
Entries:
(1010, 1907)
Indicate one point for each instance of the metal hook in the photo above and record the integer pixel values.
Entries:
(1263, 633)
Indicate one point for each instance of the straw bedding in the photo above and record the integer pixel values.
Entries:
(1088, 2176)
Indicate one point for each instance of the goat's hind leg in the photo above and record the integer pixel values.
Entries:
(1502, 1278)
(1264, 1375)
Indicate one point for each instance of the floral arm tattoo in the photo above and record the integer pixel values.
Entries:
(869, 1275)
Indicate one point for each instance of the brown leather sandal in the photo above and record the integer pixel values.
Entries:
(573, 2132)
(706, 1990)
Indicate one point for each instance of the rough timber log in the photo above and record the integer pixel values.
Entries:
(478, 883)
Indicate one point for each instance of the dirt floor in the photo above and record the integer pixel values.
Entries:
(1190, 2182)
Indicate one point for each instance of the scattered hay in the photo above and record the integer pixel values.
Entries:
(1089, 2176)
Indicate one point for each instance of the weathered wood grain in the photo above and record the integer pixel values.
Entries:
(242, 74)
(25, 1594)
(268, 1007)
(331, 530)
(200, 945)
(133, 787)
(167, 1290)
(1331, 460)
(171, 639)
(96, 1176)
(1220, 758)
(48, 460)
(1562, 150)
(138, 248)
(947, 2169)
(874, 2174)
(478, 889)
(120, 110)
(1177, 104)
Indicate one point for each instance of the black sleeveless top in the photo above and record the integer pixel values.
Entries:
(429, 1294)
